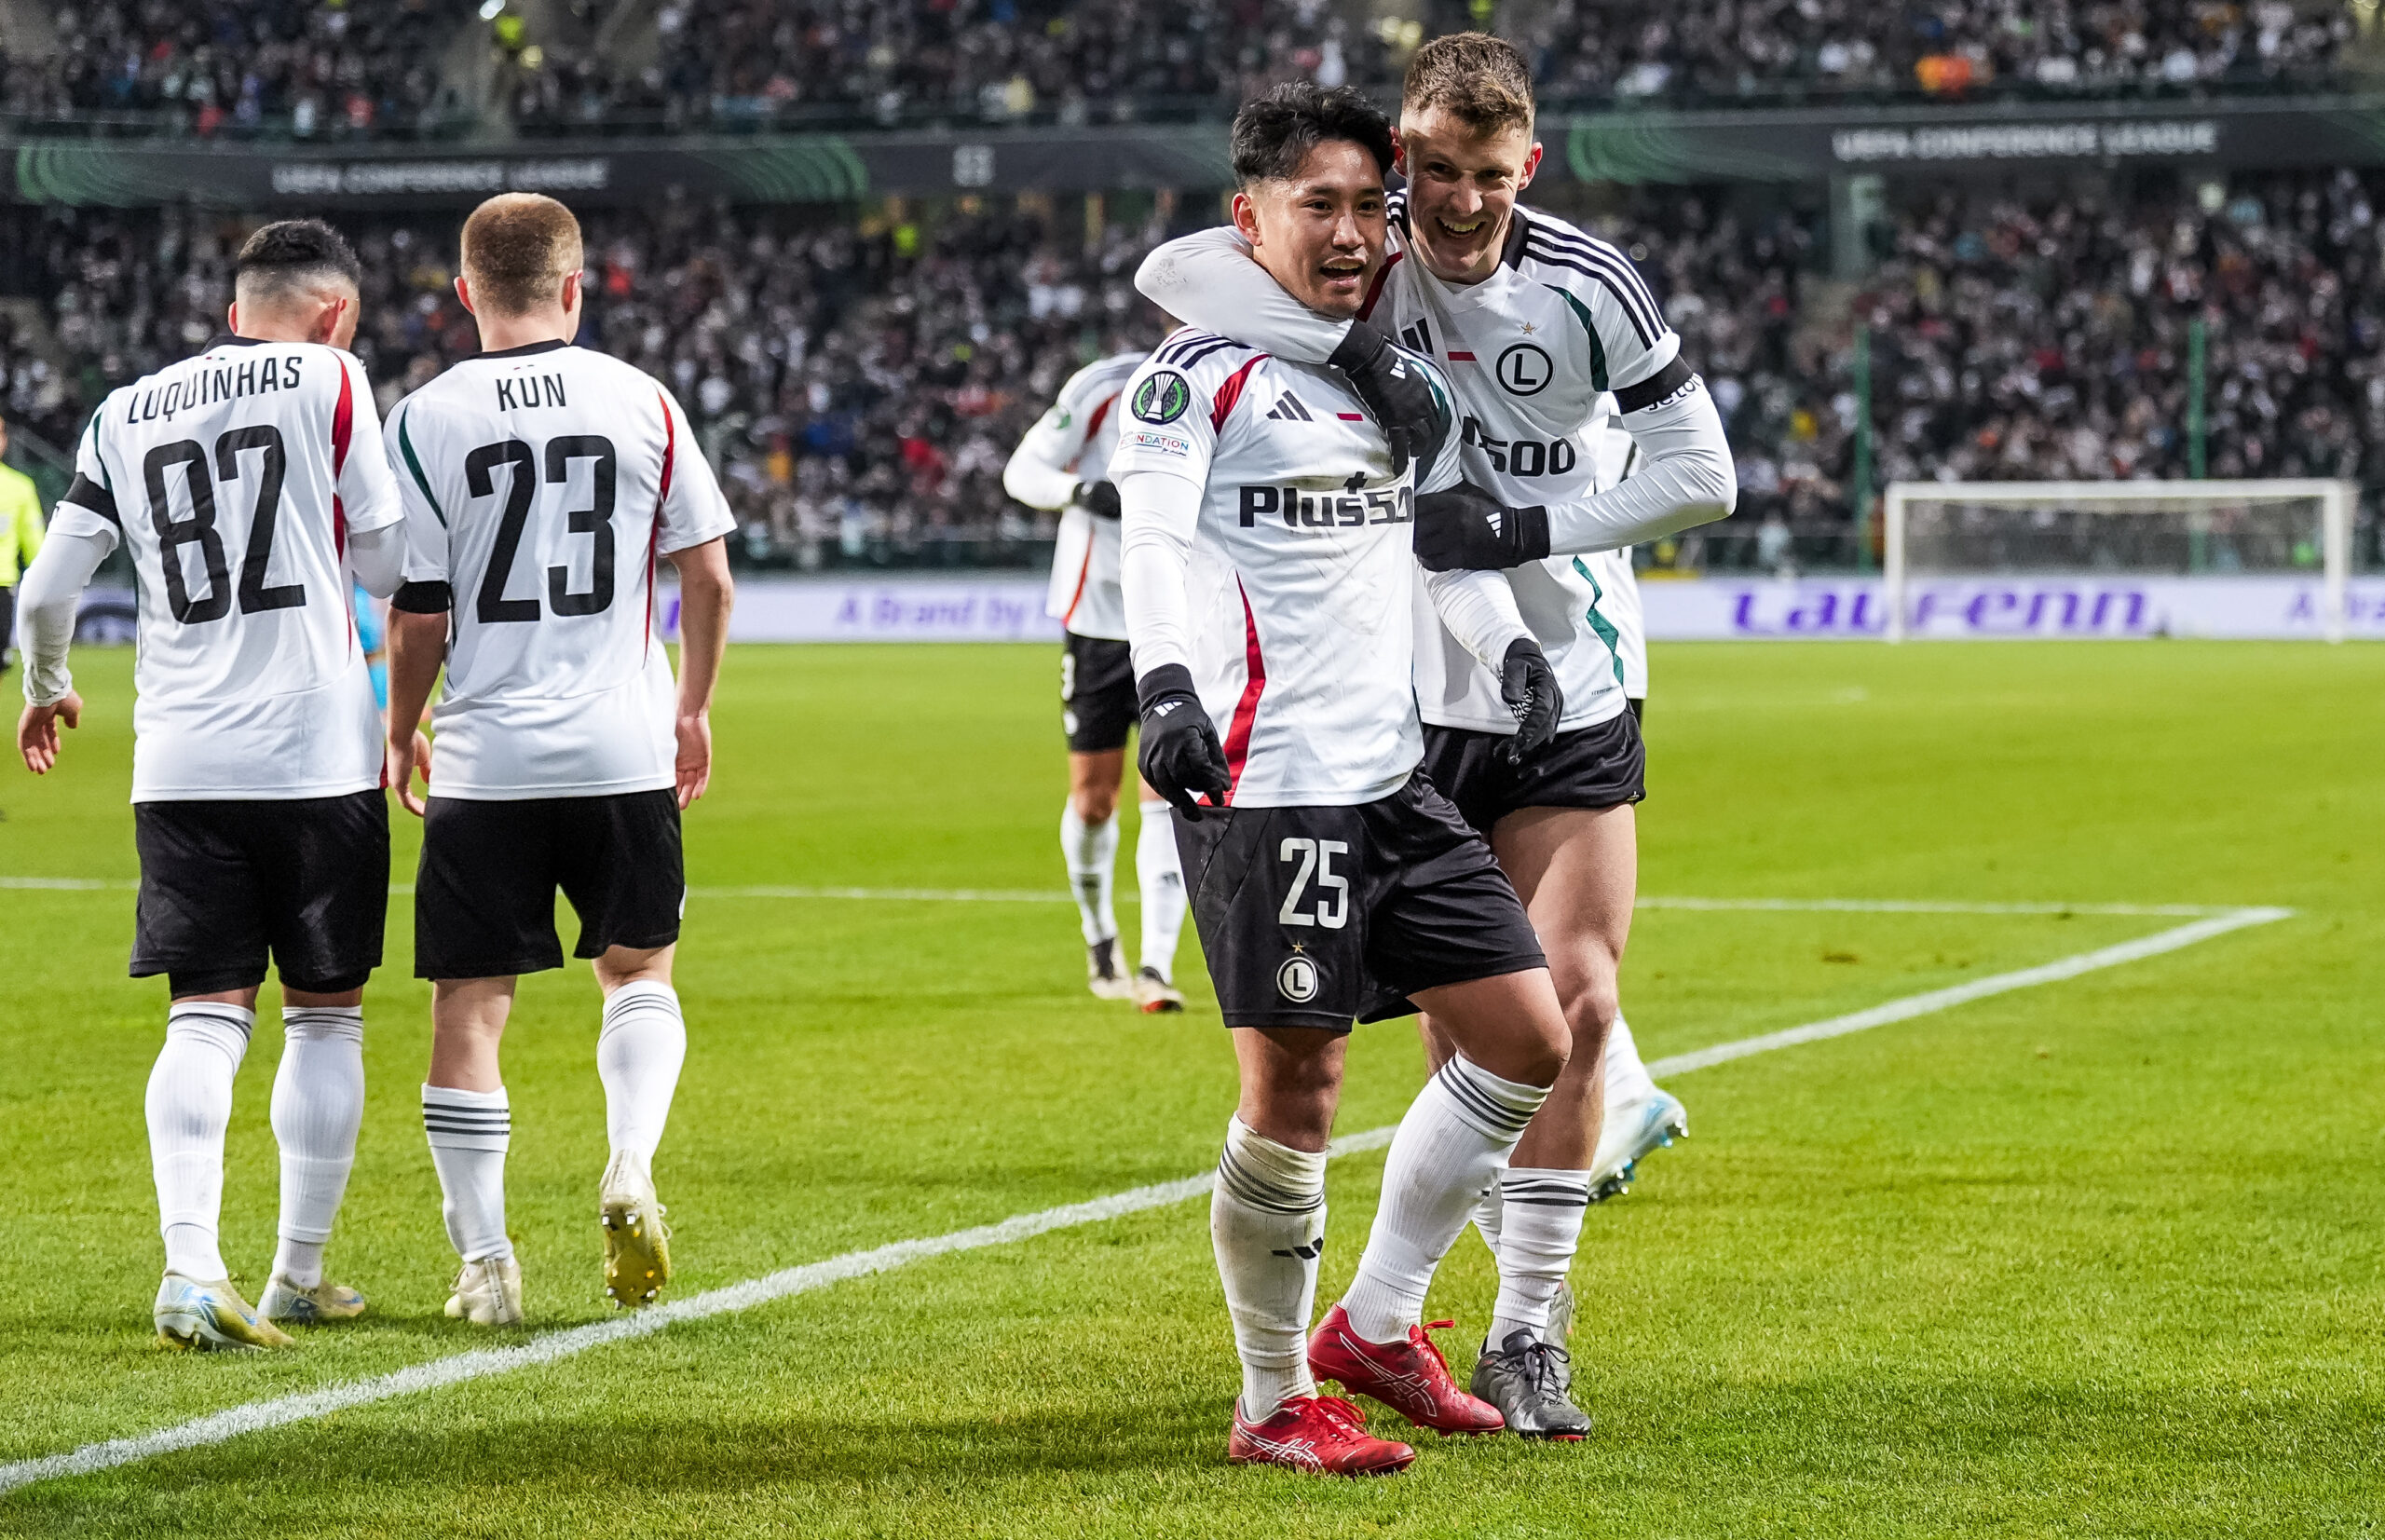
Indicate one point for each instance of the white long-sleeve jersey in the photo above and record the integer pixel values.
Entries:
(233, 479)
(1072, 443)
(1540, 355)
(1270, 548)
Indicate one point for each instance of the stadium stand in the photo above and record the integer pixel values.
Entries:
(362, 69)
(861, 381)
(371, 67)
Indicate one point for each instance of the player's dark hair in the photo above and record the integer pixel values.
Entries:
(291, 250)
(1274, 133)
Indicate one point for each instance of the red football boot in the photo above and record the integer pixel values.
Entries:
(1410, 1377)
(1322, 1435)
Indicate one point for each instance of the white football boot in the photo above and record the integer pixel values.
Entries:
(1154, 995)
(1104, 973)
(1630, 1131)
(638, 1242)
(284, 1301)
(211, 1317)
(488, 1294)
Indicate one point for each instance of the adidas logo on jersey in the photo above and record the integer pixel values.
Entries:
(1289, 409)
(1418, 337)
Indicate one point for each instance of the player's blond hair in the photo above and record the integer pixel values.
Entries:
(1482, 81)
(518, 249)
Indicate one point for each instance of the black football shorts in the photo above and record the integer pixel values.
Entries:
(1097, 705)
(224, 885)
(485, 894)
(1603, 765)
(1315, 916)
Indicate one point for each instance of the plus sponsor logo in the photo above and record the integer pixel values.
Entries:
(1355, 505)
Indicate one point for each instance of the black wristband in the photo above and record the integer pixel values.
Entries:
(1168, 682)
(1531, 531)
(431, 598)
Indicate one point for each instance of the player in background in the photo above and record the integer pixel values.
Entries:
(234, 479)
(1062, 464)
(541, 482)
(20, 527)
(1269, 576)
(372, 639)
(1540, 328)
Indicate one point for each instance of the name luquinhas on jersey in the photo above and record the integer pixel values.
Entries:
(538, 390)
(1520, 457)
(253, 376)
(1351, 505)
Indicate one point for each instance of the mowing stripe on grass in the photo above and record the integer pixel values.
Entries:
(1055, 896)
(483, 1363)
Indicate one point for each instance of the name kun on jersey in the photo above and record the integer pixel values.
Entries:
(223, 382)
(538, 390)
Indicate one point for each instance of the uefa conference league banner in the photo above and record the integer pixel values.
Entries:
(1783, 144)
(1011, 609)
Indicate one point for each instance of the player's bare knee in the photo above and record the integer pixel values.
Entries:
(1095, 804)
(617, 966)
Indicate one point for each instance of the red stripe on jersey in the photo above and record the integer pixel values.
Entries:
(1231, 392)
(654, 537)
(1093, 423)
(1246, 711)
(1374, 290)
(1461, 358)
(343, 421)
(1082, 571)
(1351, 416)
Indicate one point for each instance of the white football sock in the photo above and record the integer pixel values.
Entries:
(188, 1106)
(1627, 1078)
(638, 1055)
(1162, 881)
(1489, 1215)
(1267, 1224)
(1092, 853)
(1539, 1230)
(1449, 1149)
(318, 1106)
(469, 1132)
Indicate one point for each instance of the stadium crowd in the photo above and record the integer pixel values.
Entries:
(346, 68)
(860, 384)
(364, 67)
(754, 60)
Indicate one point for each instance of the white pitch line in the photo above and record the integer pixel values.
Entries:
(483, 1363)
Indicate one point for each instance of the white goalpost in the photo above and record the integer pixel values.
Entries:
(2116, 529)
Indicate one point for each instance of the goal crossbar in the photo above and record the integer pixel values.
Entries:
(2336, 500)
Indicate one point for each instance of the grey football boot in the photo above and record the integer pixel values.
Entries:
(1527, 1380)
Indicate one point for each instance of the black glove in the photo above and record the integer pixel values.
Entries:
(1466, 528)
(1528, 686)
(1098, 499)
(1180, 756)
(1411, 416)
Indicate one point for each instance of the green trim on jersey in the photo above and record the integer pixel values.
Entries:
(406, 446)
(1597, 348)
(1599, 623)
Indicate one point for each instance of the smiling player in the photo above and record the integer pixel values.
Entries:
(1269, 582)
(1539, 327)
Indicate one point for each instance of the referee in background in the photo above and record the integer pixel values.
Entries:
(20, 537)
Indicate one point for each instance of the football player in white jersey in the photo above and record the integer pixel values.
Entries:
(1268, 568)
(1063, 464)
(246, 483)
(541, 482)
(1536, 324)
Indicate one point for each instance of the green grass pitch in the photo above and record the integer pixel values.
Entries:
(2099, 1258)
